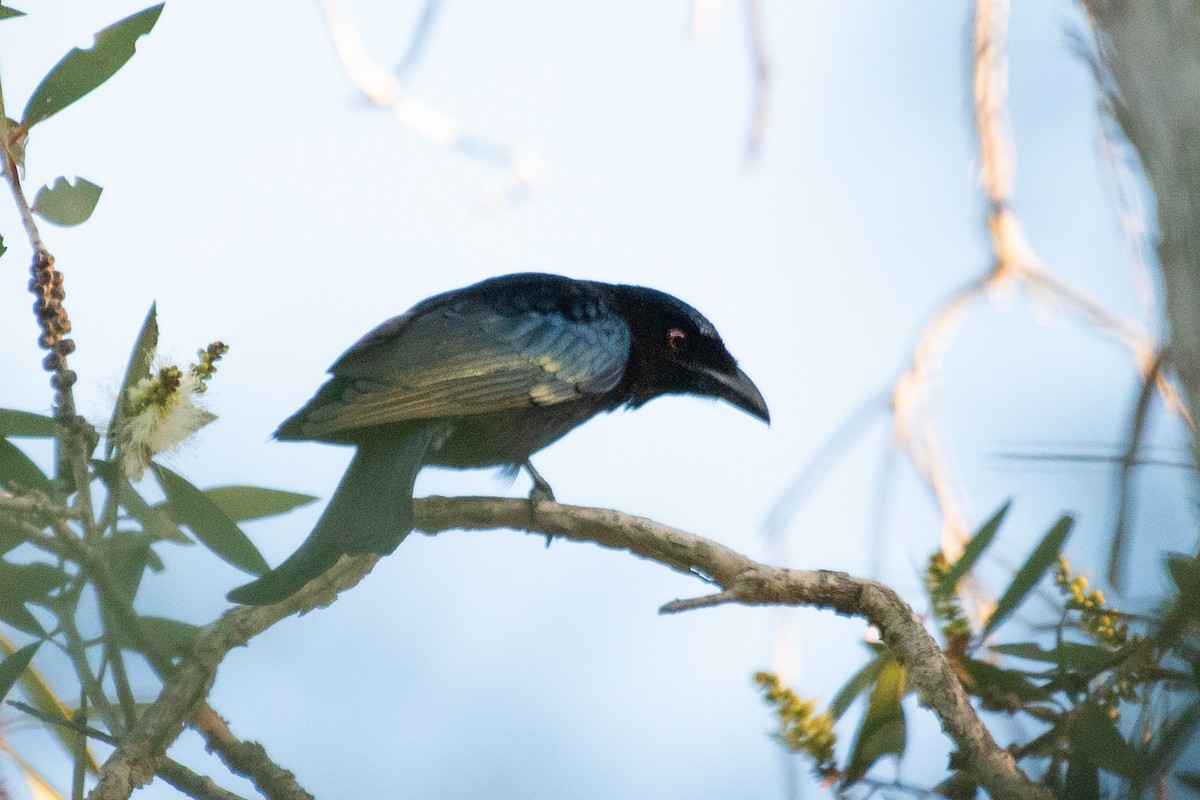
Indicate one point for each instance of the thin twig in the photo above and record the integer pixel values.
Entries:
(761, 66)
(420, 37)
(382, 88)
(78, 438)
(752, 584)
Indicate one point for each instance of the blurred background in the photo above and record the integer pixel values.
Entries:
(254, 193)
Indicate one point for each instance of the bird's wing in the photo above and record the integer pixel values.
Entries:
(466, 358)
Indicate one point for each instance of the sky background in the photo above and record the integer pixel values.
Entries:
(258, 199)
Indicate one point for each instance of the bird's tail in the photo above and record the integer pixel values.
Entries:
(370, 512)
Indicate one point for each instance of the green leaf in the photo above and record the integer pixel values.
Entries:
(128, 555)
(44, 700)
(974, 549)
(9, 13)
(863, 680)
(1083, 778)
(1089, 659)
(3, 249)
(26, 423)
(170, 636)
(1167, 746)
(14, 665)
(1189, 779)
(1095, 735)
(66, 204)
(29, 582)
(1040, 560)
(243, 503)
(137, 369)
(16, 468)
(18, 616)
(155, 520)
(999, 688)
(212, 526)
(81, 71)
(882, 731)
(1185, 571)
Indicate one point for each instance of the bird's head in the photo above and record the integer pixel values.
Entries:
(675, 350)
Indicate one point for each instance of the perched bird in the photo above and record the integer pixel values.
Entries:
(485, 376)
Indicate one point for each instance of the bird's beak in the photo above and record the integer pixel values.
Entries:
(737, 389)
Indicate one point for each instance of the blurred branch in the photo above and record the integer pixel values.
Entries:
(384, 89)
(1149, 60)
(740, 579)
(756, 31)
(1015, 263)
(420, 37)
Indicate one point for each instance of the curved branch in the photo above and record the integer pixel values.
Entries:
(740, 580)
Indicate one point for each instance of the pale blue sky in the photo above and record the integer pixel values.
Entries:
(254, 195)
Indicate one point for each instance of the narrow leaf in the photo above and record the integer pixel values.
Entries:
(81, 71)
(1094, 734)
(128, 555)
(1167, 747)
(212, 526)
(29, 582)
(9, 13)
(65, 203)
(44, 700)
(1189, 779)
(1040, 560)
(863, 680)
(1088, 659)
(1185, 571)
(974, 549)
(18, 616)
(3, 249)
(138, 368)
(155, 520)
(170, 636)
(15, 664)
(882, 731)
(999, 688)
(26, 423)
(18, 469)
(1083, 778)
(243, 503)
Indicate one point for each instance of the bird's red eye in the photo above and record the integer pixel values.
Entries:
(677, 340)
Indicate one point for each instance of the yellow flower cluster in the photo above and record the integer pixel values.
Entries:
(800, 728)
(1103, 623)
(207, 365)
(945, 606)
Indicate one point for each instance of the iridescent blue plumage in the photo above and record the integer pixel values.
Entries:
(486, 376)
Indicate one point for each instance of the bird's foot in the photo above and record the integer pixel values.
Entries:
(540, 493)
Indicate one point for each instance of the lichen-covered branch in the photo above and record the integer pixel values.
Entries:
(738, 578)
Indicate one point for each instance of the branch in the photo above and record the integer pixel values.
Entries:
(756, 32)
(171, 771)
(248, 759)
(739, 578)
(384, 89)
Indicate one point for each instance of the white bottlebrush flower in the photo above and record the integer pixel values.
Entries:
(160, 411)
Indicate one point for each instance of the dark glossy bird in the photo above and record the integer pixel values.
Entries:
(486, 376)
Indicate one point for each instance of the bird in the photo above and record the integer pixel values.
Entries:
(486, 376)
